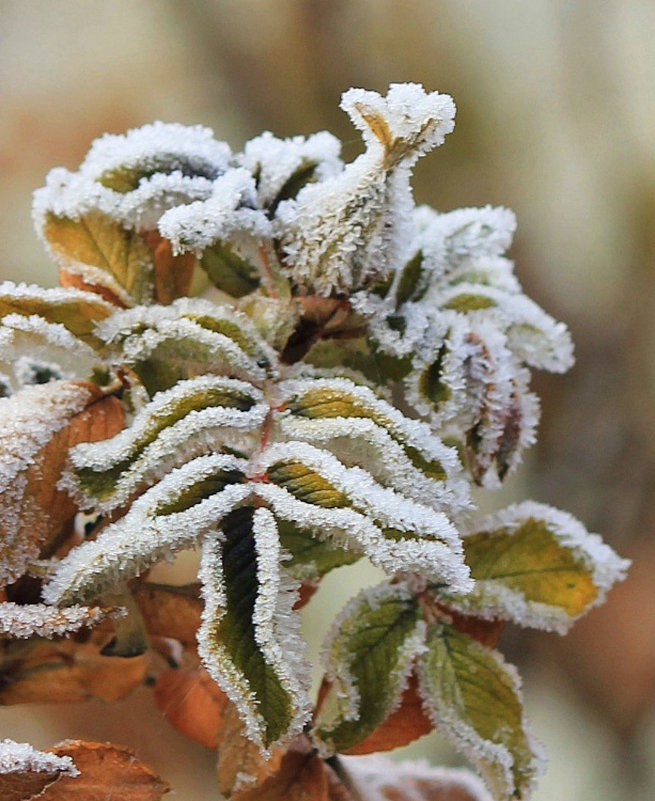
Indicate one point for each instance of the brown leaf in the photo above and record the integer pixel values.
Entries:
(170, 611)
(193, 703)
(38, 426)
(407, 723)
(173, 274)
(486, 632)
(108, 771)
(74, 281)
(25, 786)
(239, 757)
(301, 776)
(37, 671)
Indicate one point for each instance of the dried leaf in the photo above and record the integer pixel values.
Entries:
(405, 724)
(37, 427)
(172, 274)
(193, 703)
(170, 611)
(241, 764)
(301, 776)
(25, 772)
(107, 771)
(38, 671)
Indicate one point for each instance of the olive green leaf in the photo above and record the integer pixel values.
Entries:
(249, 639)
(95, 252)
(537, 566)
(474, 699)
(370, 653)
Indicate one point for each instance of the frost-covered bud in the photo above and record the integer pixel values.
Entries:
(343, 233)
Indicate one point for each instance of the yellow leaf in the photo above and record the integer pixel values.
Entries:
(98, 254)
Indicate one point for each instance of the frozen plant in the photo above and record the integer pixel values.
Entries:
(354, 365)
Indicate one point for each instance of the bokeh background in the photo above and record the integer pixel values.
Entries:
(556, 120)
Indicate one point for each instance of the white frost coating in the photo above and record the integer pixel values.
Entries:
(23, 758)
(35, 339)
(274, 161)
(430, 546)
(380, 778)
(344, 232)
(28, 421)
(184, 329)
(229, 213)
(172, 165)
(338, 655)
(534, 336)
(153, 445)
(23, 621)
(276, 631)
(491, 599)
(493, 760)
(376, 437)
(447, 240)
(55, 297)
(125, 548)
(413, 121)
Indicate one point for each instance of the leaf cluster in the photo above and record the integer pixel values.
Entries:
(355, 365)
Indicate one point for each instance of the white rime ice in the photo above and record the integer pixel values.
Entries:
(276, 631)
(164, 165)
(28, 421)
(24, 621)
(23, 758)
(341, 234)
(492, 598)
(381, 778)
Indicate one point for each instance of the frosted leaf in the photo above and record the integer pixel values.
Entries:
(474, 699)
(451, 240)
(381, 779)
(197, 416)
(169, 517)
(533, 335)
(315, 490)
(28, 421)
(40, 351)
(249, 639)
(347, 231)
(537, 566)
(23, 758)
(39, 620)
(229, 214)
(189, 336)
(368, 656)
(78, 311)
(282, 166)
(363, 430)
(135, 177)
(478, 389)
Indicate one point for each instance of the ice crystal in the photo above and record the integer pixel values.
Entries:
(22, 758)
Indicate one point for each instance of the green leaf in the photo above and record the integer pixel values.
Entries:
(311, 557)
(124, 178)
(537, 566)
(475, 701)
(228, 271)
(306, 484)
(194, 417)
(101, 253)
(77, 311)
(249, 639)
(370, 653)
(468, 302)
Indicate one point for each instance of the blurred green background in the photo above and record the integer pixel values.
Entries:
(556, 120)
